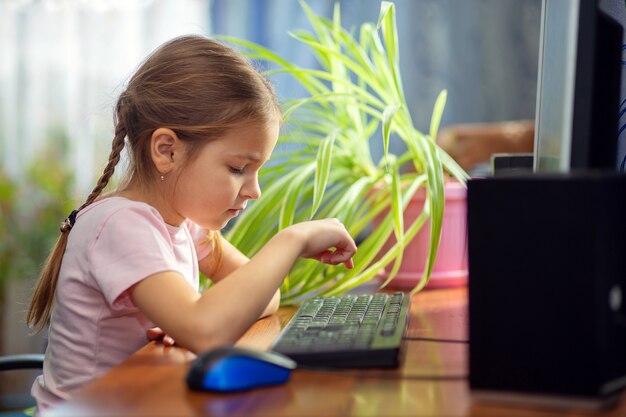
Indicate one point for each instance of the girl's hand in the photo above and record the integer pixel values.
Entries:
(156, 333)
(326, 240)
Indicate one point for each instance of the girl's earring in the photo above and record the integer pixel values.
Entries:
(162, 177)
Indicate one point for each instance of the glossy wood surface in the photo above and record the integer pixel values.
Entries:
(431, 382)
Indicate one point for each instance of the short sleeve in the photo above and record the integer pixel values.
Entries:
(132, 244)
(200, 239)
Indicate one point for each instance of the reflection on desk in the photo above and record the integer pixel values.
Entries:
(431, 382)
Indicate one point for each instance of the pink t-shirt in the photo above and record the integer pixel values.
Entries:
(114, 244)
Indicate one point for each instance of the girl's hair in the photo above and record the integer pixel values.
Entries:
(193, 85)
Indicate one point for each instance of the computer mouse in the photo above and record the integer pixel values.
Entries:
(233, 368)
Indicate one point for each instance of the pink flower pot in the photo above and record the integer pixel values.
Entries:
(450, 268)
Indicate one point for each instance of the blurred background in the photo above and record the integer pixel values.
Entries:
(63, 63)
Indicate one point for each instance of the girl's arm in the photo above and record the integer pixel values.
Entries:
(225, 311)
(232, 259)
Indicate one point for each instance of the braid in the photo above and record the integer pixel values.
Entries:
(43, 298)
(114, 158)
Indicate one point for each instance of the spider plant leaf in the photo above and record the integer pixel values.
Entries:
(329, 37)
(398, 218)
(324, 160)
(435, 120)
(378, 199)
(348, 86)
(372, 245)
(348, 115)
(350, 200)
(263, 52)
(346, 46)
(359, 71)
(366, 253)
(335, 98)
(387, 118)
(259, 52)
(453, 167)
(366, 53)
(307, 274)
(319, 23)
(358, 50)
(396, 204)
(292, 195)
(337, 67)
(435, 200)
(323, 29)
(330, 208)
(379, 79)
(387, 20)
(373, 268)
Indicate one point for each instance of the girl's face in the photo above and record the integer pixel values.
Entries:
(218, 183)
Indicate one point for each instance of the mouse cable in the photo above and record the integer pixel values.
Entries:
(368, 374)
(436, 340)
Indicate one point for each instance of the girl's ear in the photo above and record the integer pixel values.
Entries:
(165, 149)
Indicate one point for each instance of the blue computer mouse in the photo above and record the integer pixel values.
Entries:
(233, 368)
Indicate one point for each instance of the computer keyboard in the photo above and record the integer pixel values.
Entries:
(348, 331)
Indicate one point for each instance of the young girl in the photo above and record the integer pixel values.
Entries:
(198, 122)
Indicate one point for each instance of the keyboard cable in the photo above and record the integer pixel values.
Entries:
(436, 340)
(369, 374)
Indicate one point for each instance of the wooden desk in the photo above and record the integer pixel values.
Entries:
(432, 381)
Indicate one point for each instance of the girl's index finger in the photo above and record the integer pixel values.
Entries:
(154, 333)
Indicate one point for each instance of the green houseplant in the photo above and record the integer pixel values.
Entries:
(30, 208)
(324, 166)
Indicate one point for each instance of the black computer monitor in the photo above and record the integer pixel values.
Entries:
(578, 87)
